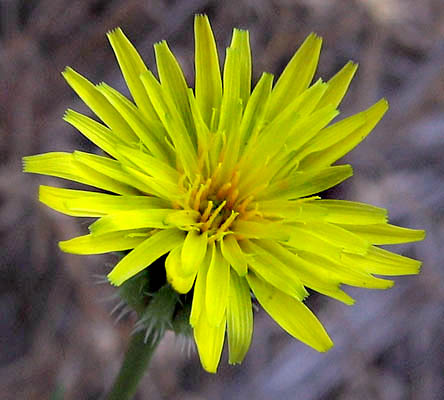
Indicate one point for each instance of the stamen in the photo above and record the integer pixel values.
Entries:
(213, 216)
(235, 178)
(206, 189)
(228, 222)
(217, 221)
(187, 200)
(192, 191)
(243, 206)
(223, 190)
(201, 159)
(207, 211)
(196, 182)
(256, 190)
(196, 204)
(253, 213)
(232, 197)
(222, 230)
(215, 175)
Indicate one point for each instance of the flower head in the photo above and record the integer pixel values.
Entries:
(224, 181)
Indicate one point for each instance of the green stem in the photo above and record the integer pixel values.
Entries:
(134, 365)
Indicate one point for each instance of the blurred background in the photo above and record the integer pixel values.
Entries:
(57, 338)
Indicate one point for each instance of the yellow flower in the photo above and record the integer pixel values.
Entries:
(223, 180)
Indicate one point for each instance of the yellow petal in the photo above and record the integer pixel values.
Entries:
(306, 240)
(98, 244)
(231, 109)
(173, 266)
(307, 102)
(239, 318)
(193, 251)
(99, 104)
(351, 212)
(338, 85)
(108, 167)
(134, 219)
(233, 254)
(198, 305)
(173, 83)
(132, 67)
(315, 277)
(292, 210)
(231, 106)
(202, 130)
(156, 168)
(145, 254)
(150, 137)
(273, 271)
(81, 203)
(343, 144)
(99, 134)
(297, 75)
(261, 230)
(386, 233)
(56, 198)
(173, 124)
(254, 114)
(291, 314)
(241, 41)
(209, 340)
(148, 184)
(342, 238)
(105, 204)
(276, 136)
(319, 119)
(208, 79)
(231, 91)
(183, 219)
(66, 166)
(345, 273)
(306, 183)
(383, 262)
(333, 134)
(217, 287)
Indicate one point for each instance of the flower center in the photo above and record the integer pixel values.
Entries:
(218, 201)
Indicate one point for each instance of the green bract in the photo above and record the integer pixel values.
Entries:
(223, 180)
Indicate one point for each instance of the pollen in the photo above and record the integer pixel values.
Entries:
(217, 205)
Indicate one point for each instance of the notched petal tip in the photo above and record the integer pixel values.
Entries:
(241, 31)
(114, 32)
(200, 16)
(160, 44)
(25, 163)
(115, 278)
(69, 72)
(69, 112)
(112, 280)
